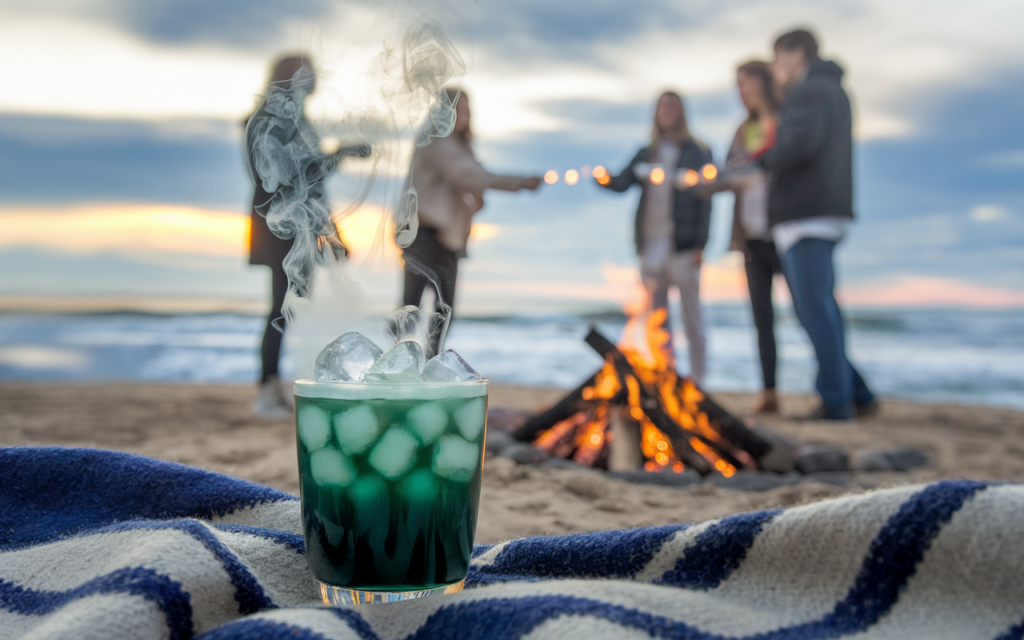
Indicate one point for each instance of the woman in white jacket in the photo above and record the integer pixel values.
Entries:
(449, 184)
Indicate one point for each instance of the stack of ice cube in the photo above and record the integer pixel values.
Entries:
(354, 358)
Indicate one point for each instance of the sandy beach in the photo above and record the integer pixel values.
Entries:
(213, 427)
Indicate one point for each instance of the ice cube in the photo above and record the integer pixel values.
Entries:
(420, 486)
(314, 427)
(371, 513)
(331, 469)
(346, 359)
(401, 363)
(427, 421)
(470, 418)
(356, 429)
(394, 453)
(448, 366)
(455, 459)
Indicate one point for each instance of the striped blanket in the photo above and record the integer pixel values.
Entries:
(99, 544)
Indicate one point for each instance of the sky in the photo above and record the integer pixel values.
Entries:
(122, 179)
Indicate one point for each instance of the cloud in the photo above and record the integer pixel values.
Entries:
(523, 53)
(1013, 159)
(62, 160)
(988, 213)
(244, 23)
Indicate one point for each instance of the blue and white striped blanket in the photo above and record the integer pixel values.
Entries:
(99, 544)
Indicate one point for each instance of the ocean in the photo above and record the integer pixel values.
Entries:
(966, 356)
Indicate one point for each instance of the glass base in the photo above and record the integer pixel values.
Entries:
(335, 596)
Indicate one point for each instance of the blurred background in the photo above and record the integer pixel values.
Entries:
(124, 198)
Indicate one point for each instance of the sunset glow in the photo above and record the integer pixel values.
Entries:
(143, 228)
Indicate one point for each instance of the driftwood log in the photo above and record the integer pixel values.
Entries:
(565, 408)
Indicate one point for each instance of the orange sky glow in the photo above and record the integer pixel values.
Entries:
(134, 229)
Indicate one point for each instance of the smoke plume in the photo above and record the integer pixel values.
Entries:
(292, 157)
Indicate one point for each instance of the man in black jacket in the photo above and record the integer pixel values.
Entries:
(810, 203)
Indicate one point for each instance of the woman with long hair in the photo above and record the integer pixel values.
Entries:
(292, 230)
(449, 184)
(267, 249)
(672, 220)
(750, 232)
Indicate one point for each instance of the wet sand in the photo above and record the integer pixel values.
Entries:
(213, 427)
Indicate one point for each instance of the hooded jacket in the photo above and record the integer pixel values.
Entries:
(811, 163)
(691, 216)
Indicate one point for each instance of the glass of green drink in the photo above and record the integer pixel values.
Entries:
(390, 485)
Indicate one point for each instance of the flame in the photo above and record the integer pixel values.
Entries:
(690, 178)
(590, 440)
(601, 175)
(572, 177)
(551, 177)
(646, 344)
(709, 171)
(657, 175)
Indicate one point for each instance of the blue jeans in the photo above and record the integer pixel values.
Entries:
(809, 273)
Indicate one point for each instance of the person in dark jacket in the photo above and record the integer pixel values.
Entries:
(810, 203)
(672, 221)
(289, 206)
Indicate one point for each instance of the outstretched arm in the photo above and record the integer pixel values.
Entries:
(462, 170)
(627, 177)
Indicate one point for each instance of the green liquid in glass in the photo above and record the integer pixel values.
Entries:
(390, 487)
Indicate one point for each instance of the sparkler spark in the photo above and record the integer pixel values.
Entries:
(691, 178)
(657, 175)
(709, 171)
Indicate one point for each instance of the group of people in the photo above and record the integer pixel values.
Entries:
(789, 165)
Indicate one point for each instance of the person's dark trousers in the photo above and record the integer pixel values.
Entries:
(762, 263)
(270, 350)
(809, 273)
(427, 259)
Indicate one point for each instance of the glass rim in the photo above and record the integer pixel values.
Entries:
(306, 388)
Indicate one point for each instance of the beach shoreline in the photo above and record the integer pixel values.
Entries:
(212, 426)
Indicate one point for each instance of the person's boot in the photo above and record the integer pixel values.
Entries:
(867, 409)
(270, 403)
(769, 402)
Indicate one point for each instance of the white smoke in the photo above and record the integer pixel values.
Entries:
(405, 105)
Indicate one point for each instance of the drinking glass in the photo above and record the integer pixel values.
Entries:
(390, 483)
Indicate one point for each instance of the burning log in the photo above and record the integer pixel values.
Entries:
(639, 397)
(564, 409)
(650, 405)
(734, 434)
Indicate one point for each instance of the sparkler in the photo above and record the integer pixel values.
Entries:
(654, 173)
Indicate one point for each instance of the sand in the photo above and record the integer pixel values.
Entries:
(213, 427)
